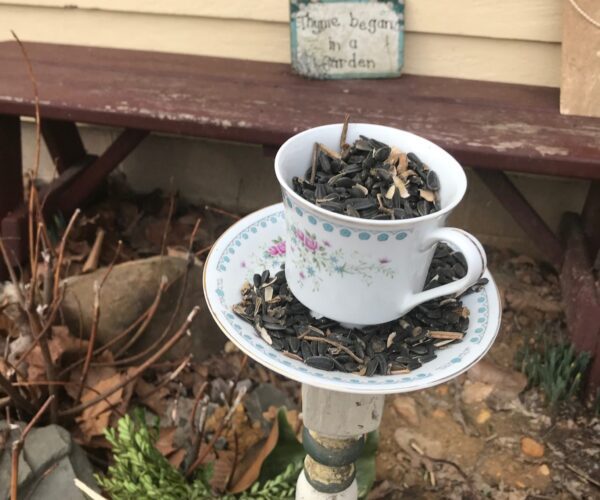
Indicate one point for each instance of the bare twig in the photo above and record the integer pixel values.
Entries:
(183, 330)
(18, 400)
(165, 333)
(61, 251)
(95, 322)
(92, 340)
(222, 212)
(169, 378)
(152, 311)
(217, 433)
(53, 311)
(163, 245)
(32, 204)
(91, 263)
(110, 343)
(583, 475)
(17, 446)
(87, 490)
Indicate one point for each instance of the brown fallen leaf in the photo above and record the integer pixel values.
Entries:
(153, 399)
(164, 443)
(94, 419)
(176, 458)
(61, 342)
(94, 376)
(222, 468)
(123, 406)
(248, 469)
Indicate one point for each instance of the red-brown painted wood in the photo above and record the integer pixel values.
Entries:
(580, 294)
(523, 214)
(11, 180)
(64, 143)
(489, 125)
(591, 219)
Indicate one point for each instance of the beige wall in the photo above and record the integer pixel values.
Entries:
(511, 41)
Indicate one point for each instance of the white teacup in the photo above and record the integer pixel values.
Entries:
(361, 271)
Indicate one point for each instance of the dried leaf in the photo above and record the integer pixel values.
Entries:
(156, 400)
(94, 420)
(164, 443)
(176, 458)
(222, 468)
(60, 343)
(248, 469)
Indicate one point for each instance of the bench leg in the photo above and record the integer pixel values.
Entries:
(591, 219)
(87, 180)
(64, 143)
(11, 184)
(523, 213)
(580, 294)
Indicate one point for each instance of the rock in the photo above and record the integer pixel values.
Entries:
(506, 385)
(46, 445)
(262, 398)
(25, 472)
(406, 407)
(531, 447)
(430, 447)
(439, 413)
(544, 470)
(48, 465)
(475, 392)
(483, 416)
(129, 290)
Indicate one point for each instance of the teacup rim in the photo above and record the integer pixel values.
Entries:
(461, 189)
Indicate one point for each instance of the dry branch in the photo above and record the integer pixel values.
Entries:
(139, 370)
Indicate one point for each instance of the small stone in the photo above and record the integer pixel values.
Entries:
(442, 390)
(483, 416)
(520, 484)
(230, 347)
(506, 384)
(46, 445)
(475, 392)
(439, 413)
(544, 470)
(406, 407)
(531, 447)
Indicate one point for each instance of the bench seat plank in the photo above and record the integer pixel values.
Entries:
(484, 124)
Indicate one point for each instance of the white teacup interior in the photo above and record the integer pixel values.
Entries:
(294, 157)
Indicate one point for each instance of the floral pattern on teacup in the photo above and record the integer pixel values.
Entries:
(315, 258)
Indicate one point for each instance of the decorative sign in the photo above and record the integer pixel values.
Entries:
(347, 38)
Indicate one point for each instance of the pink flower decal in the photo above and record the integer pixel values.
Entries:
(311, 244)
(277, 249)
(300, 235)
(384, 260)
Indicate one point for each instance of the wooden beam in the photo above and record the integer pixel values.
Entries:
(89, 179)
(524, 214)
(64, 143)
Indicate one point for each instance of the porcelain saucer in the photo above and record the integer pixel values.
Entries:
(256, 243)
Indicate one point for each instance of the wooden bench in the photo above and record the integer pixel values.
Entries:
(492, 127)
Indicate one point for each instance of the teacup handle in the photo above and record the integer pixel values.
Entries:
(476, 264)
